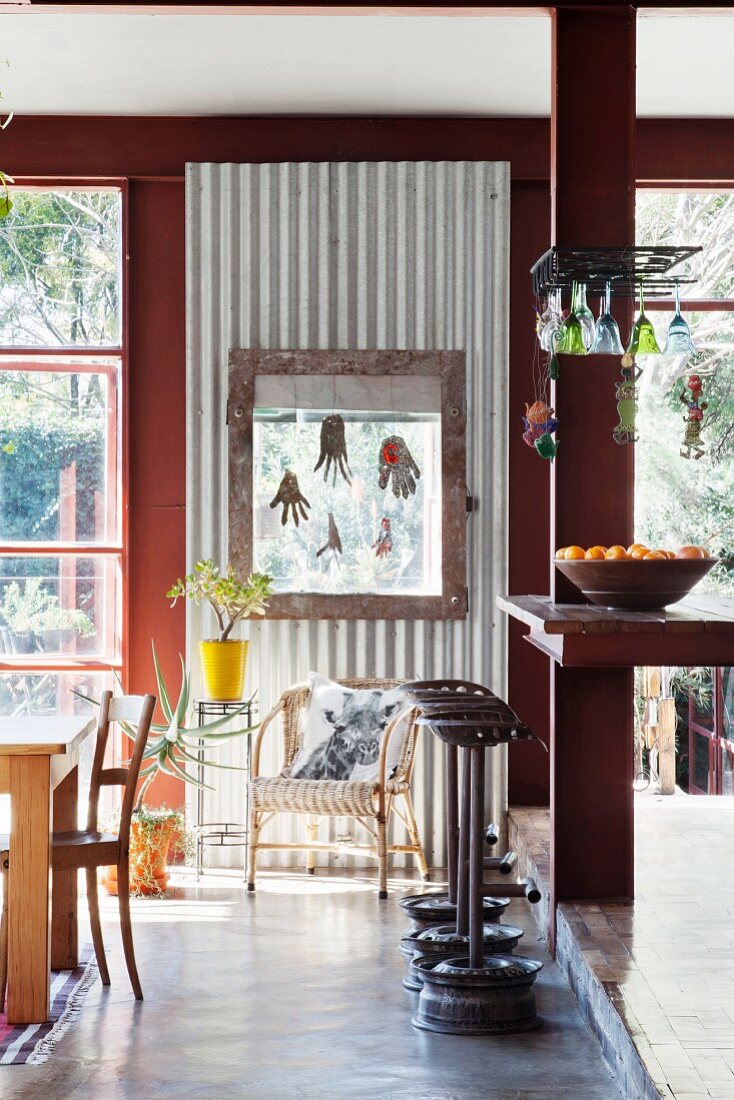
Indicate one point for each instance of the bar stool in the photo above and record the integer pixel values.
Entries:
(474, 991)
(425, 909)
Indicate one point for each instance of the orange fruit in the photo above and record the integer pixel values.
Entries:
(635, 546)
(560, 554)
(669, 554)
(616, 553)
(639, 552)
(655, 555)
(596, 553)
(691, 552)
(575, 553)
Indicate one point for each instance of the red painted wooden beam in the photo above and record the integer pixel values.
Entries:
(593, 182)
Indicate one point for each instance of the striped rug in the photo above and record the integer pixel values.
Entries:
(31, 1044)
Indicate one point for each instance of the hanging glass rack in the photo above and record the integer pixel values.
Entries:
(625, 268)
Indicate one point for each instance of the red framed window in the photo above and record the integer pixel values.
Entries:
(62, 445)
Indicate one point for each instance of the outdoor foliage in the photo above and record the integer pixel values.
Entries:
(678, 500)
(31, 608)
(59, 269)
(59, 286)
(48, 422)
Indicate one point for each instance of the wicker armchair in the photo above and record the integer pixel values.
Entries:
(370, 803)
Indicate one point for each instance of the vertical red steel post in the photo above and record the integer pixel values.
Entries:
(592, 197)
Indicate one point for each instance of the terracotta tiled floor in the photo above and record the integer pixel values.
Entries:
(667, 962)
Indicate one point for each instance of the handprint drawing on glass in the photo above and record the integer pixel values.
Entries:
(329, 457)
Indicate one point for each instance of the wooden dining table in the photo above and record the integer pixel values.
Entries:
(39, 759)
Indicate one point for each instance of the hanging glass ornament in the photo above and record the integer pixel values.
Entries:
(693, 444)
(397, 466)
(546, 446)
(290, 496)
(382, 545)
(333, 448)
(539, 421)
(333, 541)
(626, 390)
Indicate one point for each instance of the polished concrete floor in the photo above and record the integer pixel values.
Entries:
(294, 994)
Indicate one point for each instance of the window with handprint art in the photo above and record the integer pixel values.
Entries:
(347, 483)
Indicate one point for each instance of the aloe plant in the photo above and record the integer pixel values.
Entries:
(170, 746)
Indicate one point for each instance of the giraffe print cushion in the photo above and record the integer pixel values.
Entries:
(343, 732)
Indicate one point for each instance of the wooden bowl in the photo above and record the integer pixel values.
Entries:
(636, 585)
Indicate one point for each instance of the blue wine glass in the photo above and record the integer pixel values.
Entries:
(680, 340)
(606, 337)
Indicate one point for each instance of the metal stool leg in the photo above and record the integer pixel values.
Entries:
(462, 889)
(452, 817)
(476, 859)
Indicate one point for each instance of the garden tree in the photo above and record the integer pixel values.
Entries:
(60, 266)
(59, 280)
(679, 500)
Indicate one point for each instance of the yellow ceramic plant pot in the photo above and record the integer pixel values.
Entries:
(223, 665)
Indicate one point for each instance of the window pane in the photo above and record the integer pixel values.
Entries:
(58, 455)
(23, 693)
(727, 675)
(693, 218)
(284, 439)
(682, 501)
(699, 764)
(56, 606)
(60, 266)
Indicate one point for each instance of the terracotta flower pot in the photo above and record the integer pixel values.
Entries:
(149, 847)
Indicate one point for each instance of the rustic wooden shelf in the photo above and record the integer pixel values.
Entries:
(697, 631)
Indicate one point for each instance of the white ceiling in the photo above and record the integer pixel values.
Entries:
(230, 64)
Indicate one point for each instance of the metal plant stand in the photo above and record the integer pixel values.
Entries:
(468, 985)
(221, 834)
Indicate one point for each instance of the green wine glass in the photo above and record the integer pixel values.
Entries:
(569, 338)
(585, 316)
(642, 338)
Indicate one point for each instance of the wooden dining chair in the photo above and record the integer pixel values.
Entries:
(90, 849)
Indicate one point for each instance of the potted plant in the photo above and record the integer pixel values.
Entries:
(36, 617)
(170, 748)
(231, 599)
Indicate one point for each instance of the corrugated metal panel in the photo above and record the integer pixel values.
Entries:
(354, 255)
